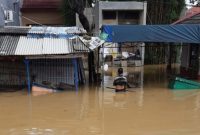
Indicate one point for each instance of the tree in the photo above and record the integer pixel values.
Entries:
(70, 7)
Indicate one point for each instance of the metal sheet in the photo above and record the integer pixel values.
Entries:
(56, 46)
(29, 46)
(8, 45)
(14, 30)
(48, 46)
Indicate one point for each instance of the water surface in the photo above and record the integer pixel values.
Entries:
(151, 110)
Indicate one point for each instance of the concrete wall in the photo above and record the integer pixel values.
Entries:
(139, 7)
(101, 6)
(10, 5)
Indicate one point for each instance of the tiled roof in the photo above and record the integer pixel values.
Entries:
(192, 17)
(41, 4)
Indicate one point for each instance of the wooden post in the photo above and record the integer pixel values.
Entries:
(91, 67)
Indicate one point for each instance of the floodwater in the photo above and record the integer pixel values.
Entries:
(151, 109)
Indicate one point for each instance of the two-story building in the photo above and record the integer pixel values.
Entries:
(119, 13)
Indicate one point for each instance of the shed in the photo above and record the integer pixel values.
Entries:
(52, 55)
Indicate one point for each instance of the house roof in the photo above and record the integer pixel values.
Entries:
(192, 17)
(25, 41)
(8, 44)
(14, 30)
(49, 46)
(41, 4)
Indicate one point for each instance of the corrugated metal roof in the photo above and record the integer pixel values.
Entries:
(51, 46)
(16, 41)
(14, 30)
(78, 45)
(56, 46)
(56, 30)
(8, 44)
(29, 46)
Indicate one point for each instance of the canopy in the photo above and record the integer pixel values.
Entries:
(182, 33)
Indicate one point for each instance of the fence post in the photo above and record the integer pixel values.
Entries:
(76, 80)
(26, 61)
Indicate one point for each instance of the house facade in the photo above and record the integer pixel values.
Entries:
(42, 12)
(9, 13)
(119, 13)
(190, 62)
(122, 13)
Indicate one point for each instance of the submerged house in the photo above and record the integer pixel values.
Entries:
(49, 56)
(190, 63)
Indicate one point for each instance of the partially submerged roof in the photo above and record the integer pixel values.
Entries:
(41, 41)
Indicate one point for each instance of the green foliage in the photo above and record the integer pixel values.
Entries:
(69, 15)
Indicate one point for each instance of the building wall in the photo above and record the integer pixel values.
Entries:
(137, 9)
(10, 5)
(43, 17)
(101, 6)
(185, 56)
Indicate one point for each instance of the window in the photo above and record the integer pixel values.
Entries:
(109, 14)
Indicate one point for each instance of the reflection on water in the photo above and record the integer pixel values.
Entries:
(151, 110)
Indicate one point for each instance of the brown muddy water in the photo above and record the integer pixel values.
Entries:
(151, 110)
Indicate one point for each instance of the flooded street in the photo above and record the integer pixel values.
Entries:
(152, 109)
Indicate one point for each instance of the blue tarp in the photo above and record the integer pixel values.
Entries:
(183, 33)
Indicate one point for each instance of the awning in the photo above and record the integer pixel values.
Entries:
(183, 33)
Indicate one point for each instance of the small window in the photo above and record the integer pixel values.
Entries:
(109, 14)
(128, 15)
